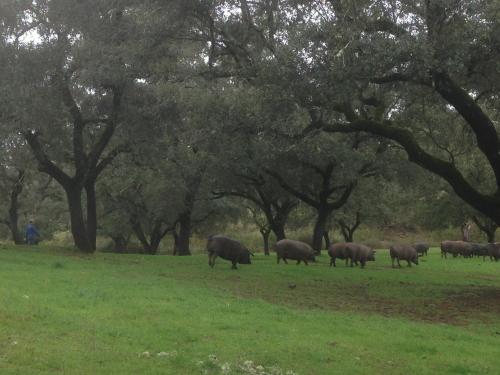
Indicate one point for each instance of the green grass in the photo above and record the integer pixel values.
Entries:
(70, 314)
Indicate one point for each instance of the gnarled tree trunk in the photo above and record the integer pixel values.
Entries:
(120, 243)
(348, 230)
(279, 231)
(265, 232)
(12, 222)
(152, 245)
(320, 229)
(87, 165)
(91, 213)
(78, 227)
(326, 236)
(184, 233)
(488, 227)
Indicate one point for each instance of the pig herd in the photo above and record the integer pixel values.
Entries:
(470, 249)
(353, 253)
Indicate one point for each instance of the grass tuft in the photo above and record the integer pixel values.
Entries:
(58, 265)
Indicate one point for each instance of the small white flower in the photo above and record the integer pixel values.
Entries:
(25, 296)
(226, 368)
(145, 354)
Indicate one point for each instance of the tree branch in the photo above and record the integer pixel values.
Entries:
(78, 121)
(109, 130)
(303, 197)
(343, 198)
(108, 159)
(44, 163)
(486, 134)
(483, 203)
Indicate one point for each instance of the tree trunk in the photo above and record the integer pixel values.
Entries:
(348, 231)
(78, 228)
(324, 205)
(87, 165)
(13, 209)
(488, 227)
(185, 217)
(319, 230)
(278, 220)
(91, 214)
(156, 237)
(326, 236)
(184, 233)
(147, 246)
(491, 236)
(278, 230)
(14, 228)
(489, 231)
(120, 243)
(265, 237)
(175, 236)
(17, 237)
(466, 232)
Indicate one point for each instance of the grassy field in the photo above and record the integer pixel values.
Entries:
(131, 314)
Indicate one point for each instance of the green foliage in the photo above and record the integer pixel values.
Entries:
(213, 95)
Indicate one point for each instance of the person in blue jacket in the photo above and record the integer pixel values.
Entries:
(32, 235)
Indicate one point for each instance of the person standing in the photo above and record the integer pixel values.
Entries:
(32, 235)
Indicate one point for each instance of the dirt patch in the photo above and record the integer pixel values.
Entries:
(471, 305)
(458, 307)
(478, 302)
(435, 303)
(463, 307)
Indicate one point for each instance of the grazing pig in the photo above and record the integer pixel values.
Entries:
(359, 253)
(479, 250)
(403, 252)
(296, 250)
(494, 251)
(228, 249)
(338, 250)
(421, 248)
(456, 248)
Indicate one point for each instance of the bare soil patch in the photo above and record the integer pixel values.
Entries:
(471, 304)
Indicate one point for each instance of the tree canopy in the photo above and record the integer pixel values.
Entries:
(160, 110)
